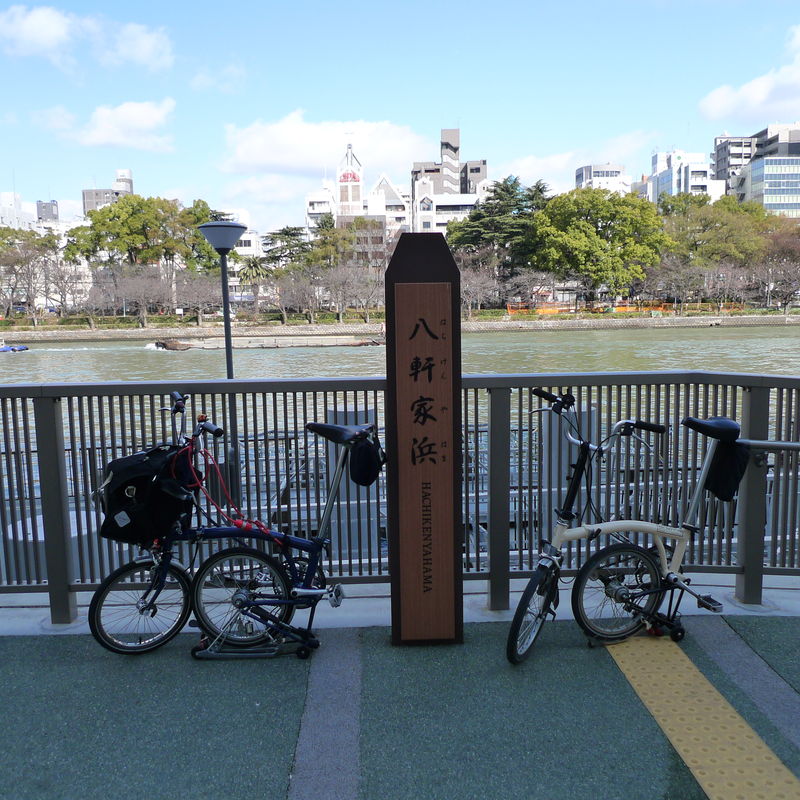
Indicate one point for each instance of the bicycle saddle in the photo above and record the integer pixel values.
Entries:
(720, 428)
(339, 434)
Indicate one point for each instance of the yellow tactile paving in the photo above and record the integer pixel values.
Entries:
(726, 756)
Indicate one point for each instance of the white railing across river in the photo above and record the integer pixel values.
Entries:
(56, 439)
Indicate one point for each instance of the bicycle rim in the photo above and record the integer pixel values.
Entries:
(614, 592)
(244, 573)
(530, 615)
(124, 615)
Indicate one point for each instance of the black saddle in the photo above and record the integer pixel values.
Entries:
(720, 428)
(340, 434)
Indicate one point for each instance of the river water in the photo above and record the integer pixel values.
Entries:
(760, 350)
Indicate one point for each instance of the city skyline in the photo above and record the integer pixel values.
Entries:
(252, 111)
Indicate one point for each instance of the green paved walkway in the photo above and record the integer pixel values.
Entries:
(362, 720)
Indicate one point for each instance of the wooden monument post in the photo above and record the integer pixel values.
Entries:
(423, 437)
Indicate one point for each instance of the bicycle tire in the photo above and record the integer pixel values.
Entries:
(532, 610)
(598, 596)
(224, 574)
(117, 618)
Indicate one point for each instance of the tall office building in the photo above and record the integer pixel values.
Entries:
(771, 181)
(730, 154)
(46, 211)
(679, 172)
(763, 168)
(97, 198)
(446, 190)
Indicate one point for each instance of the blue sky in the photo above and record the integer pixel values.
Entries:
(251, 110)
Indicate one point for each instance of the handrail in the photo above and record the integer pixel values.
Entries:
(512, 469)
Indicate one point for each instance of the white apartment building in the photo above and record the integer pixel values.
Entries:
(679, 172)
(607, 176)
(440, 192)
(730, 154)
(346, 198)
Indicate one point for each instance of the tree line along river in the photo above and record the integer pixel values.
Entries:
(759, 350)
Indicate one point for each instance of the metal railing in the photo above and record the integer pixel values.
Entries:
(56, 439)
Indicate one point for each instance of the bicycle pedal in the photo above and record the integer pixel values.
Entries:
(709, 603)
(193, 623)
(336, 595)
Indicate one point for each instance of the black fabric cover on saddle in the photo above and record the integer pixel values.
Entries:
(143, 495)
(727, 469)
(338, 434)
(366, 460)
(721, 428)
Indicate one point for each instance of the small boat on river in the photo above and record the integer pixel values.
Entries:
(12, 348)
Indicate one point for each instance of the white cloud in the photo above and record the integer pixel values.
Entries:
(42, 31)
(129, 125)
(774, 96)
(293, 146)
(137, 44)
(228, 80)
(554, 169)
(134, 125)
(47, 32)
(283, 161)
(557, 170)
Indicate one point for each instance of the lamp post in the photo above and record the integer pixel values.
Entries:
(222, 236)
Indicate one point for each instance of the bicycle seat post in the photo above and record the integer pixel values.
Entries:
(333, 492)
(694, 500)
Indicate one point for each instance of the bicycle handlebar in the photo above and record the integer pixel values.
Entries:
(178, 402)
(545, 395)
(210, 427)
(625, 427)
(653, 427)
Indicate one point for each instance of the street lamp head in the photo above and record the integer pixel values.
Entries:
(222, 236)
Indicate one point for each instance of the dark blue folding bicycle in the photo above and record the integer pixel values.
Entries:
(243, 597)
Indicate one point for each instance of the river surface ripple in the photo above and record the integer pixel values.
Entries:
(759, 350)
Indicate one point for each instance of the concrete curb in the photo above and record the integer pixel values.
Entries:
(376, 329)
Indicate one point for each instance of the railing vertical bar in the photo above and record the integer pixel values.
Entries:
(499, 445)
(55, 514)
(6, 528)
(752, 501)
(77, 454)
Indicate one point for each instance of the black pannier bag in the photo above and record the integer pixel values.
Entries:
(140, 498)
(727, 469)
(366, 461)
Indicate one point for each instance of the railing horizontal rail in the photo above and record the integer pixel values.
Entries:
(514, 463)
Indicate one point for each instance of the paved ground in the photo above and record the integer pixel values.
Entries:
(364, 720)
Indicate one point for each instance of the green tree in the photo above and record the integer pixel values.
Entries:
(26, 261)
(285, 247)
(718, 245)
(137, 233)
(598, 237)
(254, 271)
(501, 221)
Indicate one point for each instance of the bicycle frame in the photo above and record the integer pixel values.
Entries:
(551, 551)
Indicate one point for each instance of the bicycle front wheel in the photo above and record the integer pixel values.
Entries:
(127, 616)
(534, 605)
(242, 575)
(616, 590)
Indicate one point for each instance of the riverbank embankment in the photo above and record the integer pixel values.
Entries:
(355, 333)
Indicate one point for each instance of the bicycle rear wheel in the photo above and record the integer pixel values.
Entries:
(616, 590)
(240, 574)
(534, 605)
(126, 617)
